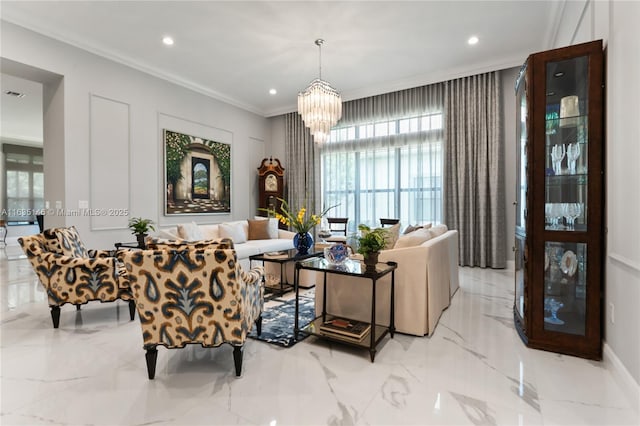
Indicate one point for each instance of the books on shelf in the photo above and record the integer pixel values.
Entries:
(343, 327)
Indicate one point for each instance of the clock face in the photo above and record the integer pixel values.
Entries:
(271, 183)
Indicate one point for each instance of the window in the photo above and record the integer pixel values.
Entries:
(386, 169)
(24, 180)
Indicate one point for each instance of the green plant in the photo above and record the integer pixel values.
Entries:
(140, 226)
(371, 240)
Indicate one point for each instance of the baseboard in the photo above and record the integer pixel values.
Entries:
(622, 376)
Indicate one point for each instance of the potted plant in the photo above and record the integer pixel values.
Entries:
(140, 227)
(370, 242)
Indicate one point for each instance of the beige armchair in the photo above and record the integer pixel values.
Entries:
(72, 274)
(194, 295)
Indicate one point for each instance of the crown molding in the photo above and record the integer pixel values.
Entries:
(103, 52)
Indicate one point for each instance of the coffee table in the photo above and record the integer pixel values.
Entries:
(282, 258)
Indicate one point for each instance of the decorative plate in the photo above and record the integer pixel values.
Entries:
(569, 263)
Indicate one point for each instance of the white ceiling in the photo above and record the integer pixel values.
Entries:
(236, 51)
(20, 118)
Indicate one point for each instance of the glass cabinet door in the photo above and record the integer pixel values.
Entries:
(566, 184)
(566, 147)
(521, 193)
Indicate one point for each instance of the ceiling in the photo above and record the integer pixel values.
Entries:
(236, 51)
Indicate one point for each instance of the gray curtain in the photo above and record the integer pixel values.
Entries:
(303, 164)
(474, 169)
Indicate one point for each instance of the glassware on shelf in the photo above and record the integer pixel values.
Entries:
(573, 152)
(552, 306)
(556, 211)
(571, 212)
(558, 152)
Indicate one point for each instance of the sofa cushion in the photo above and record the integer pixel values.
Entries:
(233, 230)
(393, 232)
(70, 242)
(439, 230)
(190, 232)
(259, 230)
(414, 238)
(210, 232)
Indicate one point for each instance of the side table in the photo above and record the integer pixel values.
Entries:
(282, 258)
(132, 244)
(355, 269)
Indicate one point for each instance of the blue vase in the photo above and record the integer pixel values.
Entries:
(303, 242)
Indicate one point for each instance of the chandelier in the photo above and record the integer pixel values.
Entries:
(320, 105)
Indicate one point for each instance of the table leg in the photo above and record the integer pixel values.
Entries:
(372, 332)
(296, 274)
(392, 319)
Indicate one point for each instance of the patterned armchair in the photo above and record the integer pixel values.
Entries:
(194, 295)
(72, 274)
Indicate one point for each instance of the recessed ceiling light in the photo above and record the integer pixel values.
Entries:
(473, 40)
(559, 74)
(167, 40)
(272, 91)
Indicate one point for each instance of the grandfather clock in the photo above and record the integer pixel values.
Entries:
(271, 184)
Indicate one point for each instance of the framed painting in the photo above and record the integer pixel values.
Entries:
(197, 175)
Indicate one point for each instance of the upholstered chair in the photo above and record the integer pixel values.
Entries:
(194, 295)
(72, 274)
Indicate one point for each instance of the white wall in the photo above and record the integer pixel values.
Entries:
(67, 175)
(616, 22)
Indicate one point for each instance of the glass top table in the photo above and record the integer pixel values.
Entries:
(352, 268)
(282, 258)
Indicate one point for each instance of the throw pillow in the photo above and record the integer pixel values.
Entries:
(235, 231)
(393, 233)
(70, 242)
(411, 228)
(190, 232)
(273, 226)
(259, 229)
(439, 230)
(414, 238)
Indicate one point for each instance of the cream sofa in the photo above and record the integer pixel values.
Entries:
(425, 282)
(238, 231)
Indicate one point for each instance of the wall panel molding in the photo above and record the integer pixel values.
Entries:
(109, 163)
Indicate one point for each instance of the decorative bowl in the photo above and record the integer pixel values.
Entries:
(336, 254)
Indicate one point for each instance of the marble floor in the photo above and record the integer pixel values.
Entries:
(474, 370)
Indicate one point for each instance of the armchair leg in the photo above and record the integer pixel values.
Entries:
(151, 357)
(55, 316)
(132, 309)
(77, 307)
(259, 324)
(237, 359)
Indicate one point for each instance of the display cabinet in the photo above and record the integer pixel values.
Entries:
(559, 279)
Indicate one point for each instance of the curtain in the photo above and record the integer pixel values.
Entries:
(384, 158)
(474, 169)
(302, 177)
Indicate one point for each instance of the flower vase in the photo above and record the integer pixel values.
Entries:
(303, 242)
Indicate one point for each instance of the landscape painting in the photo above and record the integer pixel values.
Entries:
(197, 175)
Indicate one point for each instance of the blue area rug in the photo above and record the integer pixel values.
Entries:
(277, 322)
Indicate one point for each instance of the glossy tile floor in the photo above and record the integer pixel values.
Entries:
(474, 370)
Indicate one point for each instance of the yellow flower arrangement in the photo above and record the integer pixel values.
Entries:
(300, 221)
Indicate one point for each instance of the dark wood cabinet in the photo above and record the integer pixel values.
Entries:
(559, 277)
(271, 185)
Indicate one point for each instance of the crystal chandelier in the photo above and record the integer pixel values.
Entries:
(320, 105)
